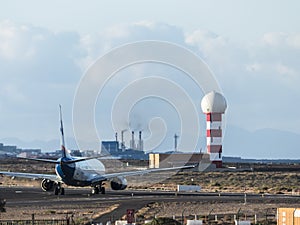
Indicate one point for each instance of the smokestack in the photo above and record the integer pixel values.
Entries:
(140, 144)
(122, 140)
(132, 142)
(116, 135)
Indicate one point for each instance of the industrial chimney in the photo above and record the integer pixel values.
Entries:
(122, 141)
(214, 105)
(140, 143)
(132, 142)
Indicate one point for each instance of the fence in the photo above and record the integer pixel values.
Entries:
(35, 222)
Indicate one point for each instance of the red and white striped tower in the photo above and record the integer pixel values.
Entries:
(214, 105)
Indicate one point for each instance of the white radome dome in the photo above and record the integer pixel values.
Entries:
(213, 102)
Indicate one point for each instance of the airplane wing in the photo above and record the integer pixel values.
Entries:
(137, 172)
(79, 159)
(32, 175)
(40, 160)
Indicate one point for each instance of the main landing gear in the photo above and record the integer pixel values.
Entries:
(59, 190)
(98, 189)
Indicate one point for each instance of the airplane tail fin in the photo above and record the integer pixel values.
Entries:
(65, 152)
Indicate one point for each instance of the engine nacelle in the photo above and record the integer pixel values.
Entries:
(118, 183)
(47, 185)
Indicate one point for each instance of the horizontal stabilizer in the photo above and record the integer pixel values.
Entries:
(82, 159)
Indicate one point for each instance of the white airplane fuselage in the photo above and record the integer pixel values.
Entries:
(79, 173)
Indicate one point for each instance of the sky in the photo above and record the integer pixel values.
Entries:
(251, 47)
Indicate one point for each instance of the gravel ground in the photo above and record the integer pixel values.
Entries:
(249, 182)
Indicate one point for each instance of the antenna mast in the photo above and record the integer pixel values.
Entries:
(175, 142)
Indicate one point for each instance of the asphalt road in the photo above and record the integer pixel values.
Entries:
(23, 196)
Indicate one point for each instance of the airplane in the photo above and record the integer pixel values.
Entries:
(81, 172)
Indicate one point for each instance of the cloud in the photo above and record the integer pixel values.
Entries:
(274, 39)
(40, 68)
(15, 41)
(97, 44)
(294, 40)
(260, 78)
(277, 39)
(38, 71)
(29, 52)
(34, 55)
(217, 50)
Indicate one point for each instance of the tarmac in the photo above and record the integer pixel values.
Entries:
(18, 197)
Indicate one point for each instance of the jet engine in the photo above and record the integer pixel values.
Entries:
(118, 183)
(47, 185)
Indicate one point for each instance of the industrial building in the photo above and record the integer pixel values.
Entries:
(116, 149)
(111, 147)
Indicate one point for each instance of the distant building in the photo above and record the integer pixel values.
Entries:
(76, 153)
(90, 153)
(164, 160)
(119, 150)
(111, 147)
(30, 153)
(9, 149)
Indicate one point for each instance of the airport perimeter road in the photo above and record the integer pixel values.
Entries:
(18, 197)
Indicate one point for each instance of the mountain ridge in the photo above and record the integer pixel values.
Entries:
(264, 143)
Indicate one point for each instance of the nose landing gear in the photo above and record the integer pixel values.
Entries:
(59, 190)
(98, 189)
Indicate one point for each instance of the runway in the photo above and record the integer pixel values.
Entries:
(18, 197)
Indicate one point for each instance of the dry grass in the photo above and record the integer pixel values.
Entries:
(249, 182)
